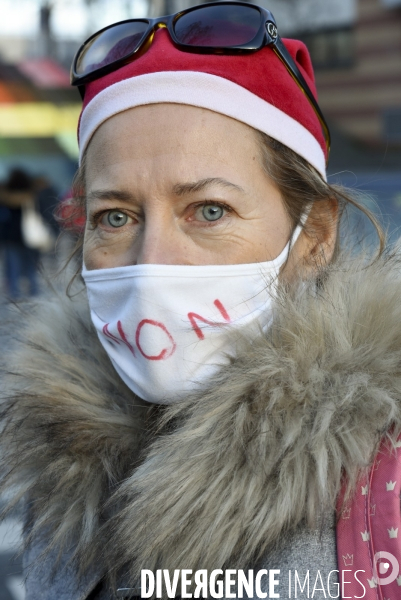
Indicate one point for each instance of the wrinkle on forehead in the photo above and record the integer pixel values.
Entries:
(210, 133)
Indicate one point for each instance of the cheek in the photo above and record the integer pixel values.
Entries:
(297, 264)
(91, 253)
(98, 253)
(108, 251)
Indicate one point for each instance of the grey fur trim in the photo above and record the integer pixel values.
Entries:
(228, 472)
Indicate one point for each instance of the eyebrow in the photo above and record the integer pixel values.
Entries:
(179, 189)
(196, 186)
(110, 195)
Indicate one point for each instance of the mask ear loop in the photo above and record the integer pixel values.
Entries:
(298, 229)
(291, 242)
(283, 257)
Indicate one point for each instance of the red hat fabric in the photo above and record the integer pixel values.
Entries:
(255, 89)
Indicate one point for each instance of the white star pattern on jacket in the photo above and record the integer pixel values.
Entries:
(376, 536)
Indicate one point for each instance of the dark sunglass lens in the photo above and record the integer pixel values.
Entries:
(110, 45)
(218, 26)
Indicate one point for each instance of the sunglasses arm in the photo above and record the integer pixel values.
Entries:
(81, 90)
(281, 51)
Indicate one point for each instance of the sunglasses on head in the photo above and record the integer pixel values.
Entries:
(215, 28)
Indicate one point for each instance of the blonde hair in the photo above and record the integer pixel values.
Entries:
(300, 185)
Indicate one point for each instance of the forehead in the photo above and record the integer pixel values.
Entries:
(154, 131)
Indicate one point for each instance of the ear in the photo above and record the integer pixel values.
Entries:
(322, 233)
(315, 246)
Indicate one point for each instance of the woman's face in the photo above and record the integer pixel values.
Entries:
(179, 185)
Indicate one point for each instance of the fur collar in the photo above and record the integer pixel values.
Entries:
(214, 480)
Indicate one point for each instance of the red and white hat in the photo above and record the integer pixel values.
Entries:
(255, 89)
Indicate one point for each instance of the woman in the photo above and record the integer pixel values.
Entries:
(239, 367)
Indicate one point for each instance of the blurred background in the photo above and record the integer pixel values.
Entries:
(356, 50)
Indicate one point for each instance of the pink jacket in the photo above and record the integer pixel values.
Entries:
(369, 531)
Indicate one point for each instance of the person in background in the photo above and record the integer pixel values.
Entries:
(19, 260)
(47, 201)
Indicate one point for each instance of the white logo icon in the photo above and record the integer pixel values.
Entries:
(382, 563)
(383, 568)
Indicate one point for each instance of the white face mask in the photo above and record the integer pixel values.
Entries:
(168, 328)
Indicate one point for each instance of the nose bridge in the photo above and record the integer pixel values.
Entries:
(158, 243)
(149, 40)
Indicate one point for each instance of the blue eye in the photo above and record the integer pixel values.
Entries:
(212, 212)
(116, 218)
